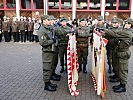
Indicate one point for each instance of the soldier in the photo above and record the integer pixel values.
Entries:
(46, 40)
(6, 29)
(61, 33)
(123, 54)
(53, 28)
(82, 44)
(112, 49)
(14, 27)
(30, 26)
(22, 29)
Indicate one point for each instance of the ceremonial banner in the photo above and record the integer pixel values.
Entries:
(98, 63)
(72, 65)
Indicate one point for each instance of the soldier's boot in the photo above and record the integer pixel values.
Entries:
(84, 68)
(110, 69)
(121, 88)
(48, 87)
(80, 68)
(62, 69)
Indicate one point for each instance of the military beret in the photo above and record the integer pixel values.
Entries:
(129, 20)
(82, 19)
(43, 17)
(63, 19)
(99, 18)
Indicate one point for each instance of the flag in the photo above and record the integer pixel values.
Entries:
(72, 65)
(98, 63)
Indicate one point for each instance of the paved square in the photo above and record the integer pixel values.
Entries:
(21, 77)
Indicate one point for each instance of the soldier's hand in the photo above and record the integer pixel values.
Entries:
(19, 30)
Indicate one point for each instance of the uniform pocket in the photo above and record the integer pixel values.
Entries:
(123, 64)
(124, 55)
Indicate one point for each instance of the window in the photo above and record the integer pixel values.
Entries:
(38, 4)
(26, 4)
(124, 4)
(1, 4)
(66, 4)
(81, 4)
(110, 5)
(53, 4)
(10, 4)
(95, 4)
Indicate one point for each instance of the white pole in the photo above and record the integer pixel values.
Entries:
(44, 5)
(131, 9)
(103, 8)
(73, 9)
(18, 9)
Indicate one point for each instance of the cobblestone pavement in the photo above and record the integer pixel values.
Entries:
(21, 77)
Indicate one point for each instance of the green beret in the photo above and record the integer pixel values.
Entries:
(129, 20)
(99, 18)
(63, 19)
(82, 19)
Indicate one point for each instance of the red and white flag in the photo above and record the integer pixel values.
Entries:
(72, 65)
(98, 63)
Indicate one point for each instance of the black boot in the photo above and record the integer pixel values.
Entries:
(54, 78)
(53, 85)
(84, 68)
(113, 76)
(114, 80)
(116, 86)
(80, 68)
(122, 88)
(62, 69)
(48, 87)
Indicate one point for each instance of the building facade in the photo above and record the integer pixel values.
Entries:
(68, 8)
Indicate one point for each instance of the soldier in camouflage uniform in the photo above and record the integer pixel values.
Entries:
(82, 44)
(47, 41)
(124, 38)
(61, 33)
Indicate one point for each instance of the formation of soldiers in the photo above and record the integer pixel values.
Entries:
(53, 37)
(18, 31)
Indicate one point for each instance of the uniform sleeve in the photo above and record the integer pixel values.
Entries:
(43, 40)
